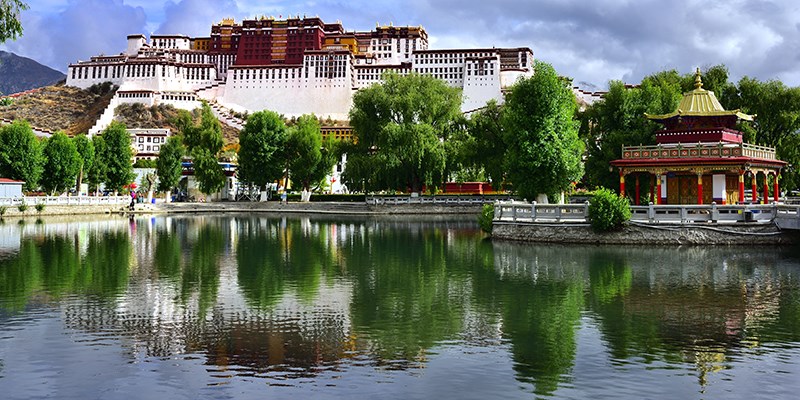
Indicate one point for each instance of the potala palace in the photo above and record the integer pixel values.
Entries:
(292, 66)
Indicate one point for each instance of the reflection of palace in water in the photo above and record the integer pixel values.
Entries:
(292, 297)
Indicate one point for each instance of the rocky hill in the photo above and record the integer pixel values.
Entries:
(60, 108)
(74, 111)
(18, 74)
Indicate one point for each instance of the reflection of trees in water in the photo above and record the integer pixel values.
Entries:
(542, 298)
(319, 293)
(51, 266)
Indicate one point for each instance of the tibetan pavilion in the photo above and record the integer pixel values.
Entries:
(700, 157)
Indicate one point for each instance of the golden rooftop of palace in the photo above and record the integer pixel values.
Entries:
(700, 103)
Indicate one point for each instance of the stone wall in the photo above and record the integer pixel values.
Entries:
(642, 234)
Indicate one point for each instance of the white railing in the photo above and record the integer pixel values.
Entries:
(683, 214)
(438, 200)
(64, 200)
(533, 212)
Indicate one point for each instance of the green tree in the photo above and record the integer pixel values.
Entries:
(117, 156)
(544, 150)
(61, 163)
(10, 26)
(85, 149)
(96, 174)
(309, 162)
(168, 166)
(204, 141)
(400, 127)
(20, 154)
(777, 123)
(484, 146)
(261, 156)
(619, 119)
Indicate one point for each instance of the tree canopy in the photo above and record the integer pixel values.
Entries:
(116, 156)
(261, 148)
(20, 154)
(86, 151)
(400, 127)
(204, 142)
(618, 119)
(310, 158)
(10, 26)
(168, 165)
(544, 150)
(61, 163)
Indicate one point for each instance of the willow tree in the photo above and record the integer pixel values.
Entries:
(544, 150)
(10, 26)
(261, 143)
(619, 119)
(400, 127)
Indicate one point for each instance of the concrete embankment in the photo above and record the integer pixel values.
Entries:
(646, 234)
(13, 212)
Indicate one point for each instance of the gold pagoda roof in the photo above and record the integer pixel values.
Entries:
(700, 103)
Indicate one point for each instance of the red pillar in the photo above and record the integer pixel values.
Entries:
(775, 192)
(699, 188)
(658, 189)
(766, 189)
(637, 191)
(621, 183)
(754, 188)
(741, 187)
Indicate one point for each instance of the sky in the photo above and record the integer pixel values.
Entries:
(590, 41)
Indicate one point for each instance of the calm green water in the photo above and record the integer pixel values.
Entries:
(315, 307)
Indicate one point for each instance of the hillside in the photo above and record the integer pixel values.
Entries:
(60, 108)
(18, 74)
(139, 116)
(75, 111)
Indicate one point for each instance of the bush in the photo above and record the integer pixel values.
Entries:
(608, 211)
(39, 208)
(3, 210)
(22, 207)
(144, 163)
(486, 217)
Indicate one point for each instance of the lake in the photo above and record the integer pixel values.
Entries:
(246, 307)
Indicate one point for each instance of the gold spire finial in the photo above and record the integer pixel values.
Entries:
(698, 82)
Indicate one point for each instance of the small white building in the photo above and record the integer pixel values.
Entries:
(147, 142)
(10, 188)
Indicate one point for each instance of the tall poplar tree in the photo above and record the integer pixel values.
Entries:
(204, 142)
(61, 164)
(117, 156)
(86, 151)
(544, 150)
(261, 149)
(168, 165)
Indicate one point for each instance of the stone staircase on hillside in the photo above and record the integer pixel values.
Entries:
(105, 118)
(226, 116)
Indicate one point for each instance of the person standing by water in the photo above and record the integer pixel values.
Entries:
(133, 200)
